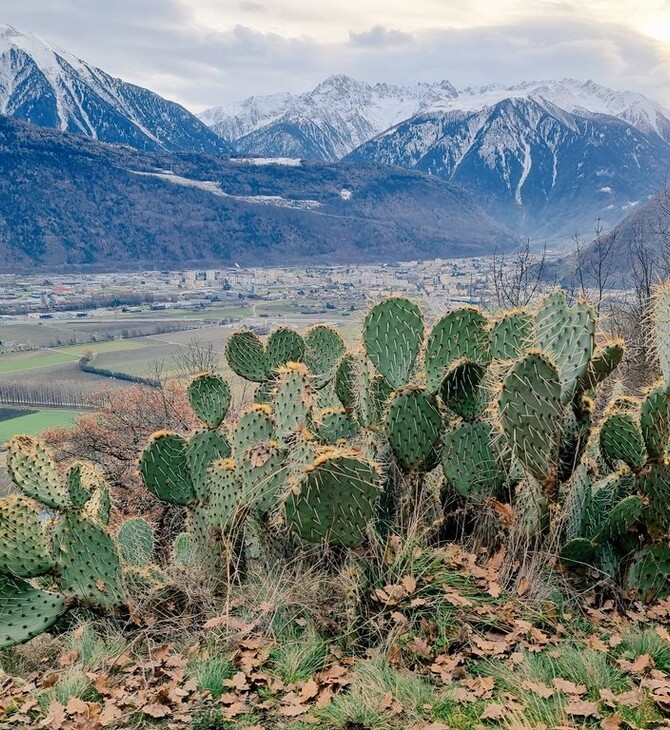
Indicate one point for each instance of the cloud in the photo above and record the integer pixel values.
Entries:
(167, 46)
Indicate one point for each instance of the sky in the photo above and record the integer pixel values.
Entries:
(202, 53)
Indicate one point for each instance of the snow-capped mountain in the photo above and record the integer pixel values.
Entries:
(50, 87)
(341, 113)
(326, 123)
(535, 166)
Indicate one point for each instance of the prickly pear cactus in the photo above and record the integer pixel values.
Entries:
(32, 470)
(165, 469)
(226, 496)
(135, 542)
(530, 414)
(462, 333)
(254, 426)
(323, 350)
(393, 336)
(209, 396)
(202, 450)
(604, 362)
(512, 335)
(284, 346)
(88, 563)
(334, 501)
(246, 356)
(413, 427)
(567, 334)
(23, 549)
(472, 461)
(293, 402)
(462, 389)
(655, 421)
(621, 439)
(334, 425)
(25, 611)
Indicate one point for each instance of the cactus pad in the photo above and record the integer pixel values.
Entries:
(254, 426)
(662, 328)
(225, 496)
(99, 506)
(262, 477)
(655, 484)
(472, 462)
(202, 450)
(567, 334)
(512, 335)
(323, 350)
(462, 333)
(655, 421)
(32, 470)
(413, 427)
(462, 390)
(135, 542)
(620, 519)
(393, 335)
(621, 439)
(292, 402)
(334, 501)
(25, 611)
(209, 396)
(604, 362)
(165, 469)
(23, 550)
(88, 564)
(246, 356)
(284, 346)
(649, 573)
(578, 552)
(531, 412)
(78, 485)
(334, 425)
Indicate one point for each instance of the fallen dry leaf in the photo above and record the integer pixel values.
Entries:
(156, 710)
(582, 708)
(493, 712)
(541, 690)
(55, 717)
(611, 722)
(570, 688)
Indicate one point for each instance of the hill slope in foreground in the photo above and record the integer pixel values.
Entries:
(65, 201)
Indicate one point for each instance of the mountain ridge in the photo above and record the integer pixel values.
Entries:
(68, 201)
(51, 87)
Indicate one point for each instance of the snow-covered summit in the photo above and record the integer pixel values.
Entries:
(337, 115)
(342, 113)
(50, 87)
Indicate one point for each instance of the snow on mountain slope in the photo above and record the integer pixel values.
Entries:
(540, 169)
(50, 87)
(580, 97)
(341, 113)
(329, 121)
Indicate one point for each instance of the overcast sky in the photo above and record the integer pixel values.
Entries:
(206, 52)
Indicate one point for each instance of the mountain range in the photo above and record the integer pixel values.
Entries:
(68, 201)
(549, 159)
(50, 87)
(544, 160)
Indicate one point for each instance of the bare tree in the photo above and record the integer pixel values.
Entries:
(196, 357)
(517, 279)
(595, 265)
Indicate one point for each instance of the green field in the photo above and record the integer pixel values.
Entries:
(33, 421)
(18, 362)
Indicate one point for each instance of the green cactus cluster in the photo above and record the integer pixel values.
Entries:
(55, 531)
(337, 443)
